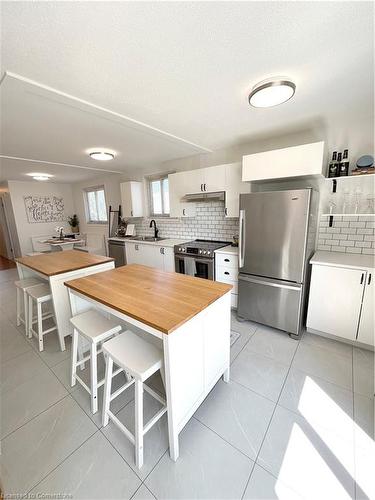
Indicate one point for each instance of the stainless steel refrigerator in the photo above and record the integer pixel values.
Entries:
(277, 238)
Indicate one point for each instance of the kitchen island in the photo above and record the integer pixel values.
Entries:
(56, 268)
(190, 317)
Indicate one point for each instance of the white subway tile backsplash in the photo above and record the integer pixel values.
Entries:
(363, 244)
(354, 250)
(350, 234)
(210, 223)
(358, 224)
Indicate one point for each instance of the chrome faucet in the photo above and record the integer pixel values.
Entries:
(156, 230)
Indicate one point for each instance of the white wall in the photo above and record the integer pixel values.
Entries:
(25, 229)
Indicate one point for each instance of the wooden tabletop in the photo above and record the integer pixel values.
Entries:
(162, 300)
(54, 263)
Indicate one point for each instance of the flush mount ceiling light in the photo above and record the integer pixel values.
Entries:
(40, 177)
(102, 155)
(271, 92)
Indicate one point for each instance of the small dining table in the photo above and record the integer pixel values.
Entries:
(56, 268)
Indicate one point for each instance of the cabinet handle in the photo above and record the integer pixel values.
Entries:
(204, 187)
(226, 211)
(136, 247)
(369, 279)
(226, 260)
(226, 272)
(201, 187)
(362, 278)
(131, 213)
(162, 250)
(183, 211)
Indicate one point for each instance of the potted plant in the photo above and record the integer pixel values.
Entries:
(74, 223)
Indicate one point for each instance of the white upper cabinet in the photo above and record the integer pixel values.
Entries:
(233, 188)
(177, 189)
(213, 179)
(219, 178)
(132, 199)
(296, 161)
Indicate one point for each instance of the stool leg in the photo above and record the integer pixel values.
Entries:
(81, 354)
(25, 309)
(94, 378)
(18, 306)
(139, 423)
(30, 322)
(40, 325)
(107, 390)
(74, 357)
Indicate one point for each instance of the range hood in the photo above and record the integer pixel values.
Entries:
(217, 196)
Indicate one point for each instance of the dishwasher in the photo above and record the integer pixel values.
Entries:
(116, 250)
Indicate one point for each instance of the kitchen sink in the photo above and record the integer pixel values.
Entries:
(148, 238)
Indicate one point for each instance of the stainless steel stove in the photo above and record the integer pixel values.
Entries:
(197, 258)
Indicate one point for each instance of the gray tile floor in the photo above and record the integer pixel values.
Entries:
(296, 421)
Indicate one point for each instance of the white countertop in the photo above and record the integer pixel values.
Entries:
(228, 250)
(168, 242)
(341, 259)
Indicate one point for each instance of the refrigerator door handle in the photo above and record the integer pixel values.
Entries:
(287, 286)
(241, 242)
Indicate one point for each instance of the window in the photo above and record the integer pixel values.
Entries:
(159, 196)
(96, 207)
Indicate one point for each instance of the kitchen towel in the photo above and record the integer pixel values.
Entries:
(190, 268)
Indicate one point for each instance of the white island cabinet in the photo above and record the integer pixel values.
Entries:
(341, 300)
(189, 318)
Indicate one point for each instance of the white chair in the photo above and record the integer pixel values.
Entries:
(40, 294)
(21, 289)
(95, 244)
(140, 359)
(95, 329)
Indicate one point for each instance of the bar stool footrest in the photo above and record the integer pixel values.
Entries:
(122, 427)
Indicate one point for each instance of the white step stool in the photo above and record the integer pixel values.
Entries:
(140, 359)
(41, 294)
(95, 328)
(22, 286)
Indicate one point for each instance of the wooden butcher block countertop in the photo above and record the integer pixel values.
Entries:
(54, 263)
(162, 300)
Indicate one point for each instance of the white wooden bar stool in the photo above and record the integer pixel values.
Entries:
(40, 294)
(140, 359)
(22, 286)
(95, 329)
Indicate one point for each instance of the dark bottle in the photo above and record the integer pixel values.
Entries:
(332, 167)
(339, 164)
(344, 165)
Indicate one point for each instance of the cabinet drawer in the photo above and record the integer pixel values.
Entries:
(226, 260)
(229, 282)
(226, 274)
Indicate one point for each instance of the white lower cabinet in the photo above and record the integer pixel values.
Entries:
(150, 255)
(341, 303)
(226, 271)
(366, 332)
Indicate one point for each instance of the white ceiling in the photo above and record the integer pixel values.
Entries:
(184, 68)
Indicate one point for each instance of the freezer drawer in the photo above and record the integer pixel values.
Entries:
(274, 303)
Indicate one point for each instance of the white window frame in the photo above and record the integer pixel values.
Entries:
(85, 196)
(150, 179)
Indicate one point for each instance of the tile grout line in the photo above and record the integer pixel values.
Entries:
(58, 465)
(35, 416)
(269, 423)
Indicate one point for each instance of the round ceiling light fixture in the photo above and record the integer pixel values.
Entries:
(102, 155)
(271, 92)
(40, 177)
